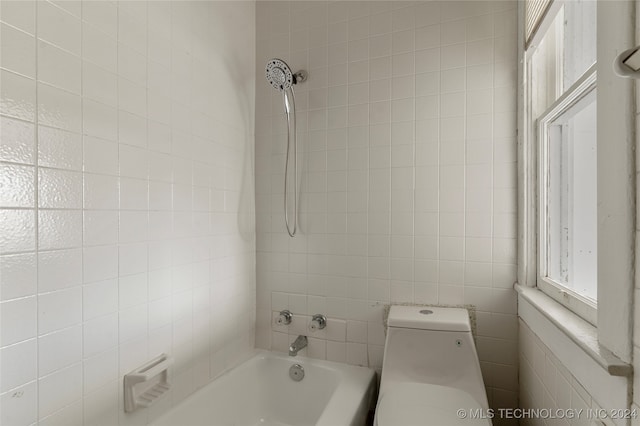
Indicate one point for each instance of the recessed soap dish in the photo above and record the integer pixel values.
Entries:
(144, 385)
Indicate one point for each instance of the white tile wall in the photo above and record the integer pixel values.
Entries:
(126, 220)
(406, 128)
(545, 383)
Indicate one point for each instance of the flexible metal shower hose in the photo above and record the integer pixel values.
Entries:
(290, 110)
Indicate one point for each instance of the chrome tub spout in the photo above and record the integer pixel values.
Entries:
(301, 342)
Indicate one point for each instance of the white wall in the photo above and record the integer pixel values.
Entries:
(126, 227)
(408, 173)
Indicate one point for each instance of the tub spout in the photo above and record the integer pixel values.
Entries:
(301, 342)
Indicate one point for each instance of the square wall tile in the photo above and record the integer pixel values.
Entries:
(18, 186)
(18, 96)
(59, 309)
(17, 228)
(59, 349)
(58, 67)
(59, 149)
(17, 141)
(20, 410)
(18, 51)
(59, 108)
(18, 276)
(19, 364)
(59, 27)
(59, 229)
(59, 389)
(19, 320)
(59, 269)
(59, 189)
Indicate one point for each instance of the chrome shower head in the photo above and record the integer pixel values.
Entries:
(279, 75)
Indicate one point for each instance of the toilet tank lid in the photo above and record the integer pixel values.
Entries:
(429, 318)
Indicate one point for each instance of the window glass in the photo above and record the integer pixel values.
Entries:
(571, 202)
(579, 39)
(545, 64)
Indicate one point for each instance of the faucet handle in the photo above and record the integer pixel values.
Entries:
(284, 318)
(318, 322)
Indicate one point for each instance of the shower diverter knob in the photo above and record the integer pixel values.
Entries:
(318, 322)
(284, 318)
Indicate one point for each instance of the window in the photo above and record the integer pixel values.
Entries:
(562, 106)
(567, 194)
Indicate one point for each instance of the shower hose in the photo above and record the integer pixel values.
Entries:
(290, 110)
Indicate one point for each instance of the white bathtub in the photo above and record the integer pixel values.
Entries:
(260, 392)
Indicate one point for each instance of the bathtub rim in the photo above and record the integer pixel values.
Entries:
(352, 398)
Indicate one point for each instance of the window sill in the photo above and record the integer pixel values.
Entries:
(579, 331)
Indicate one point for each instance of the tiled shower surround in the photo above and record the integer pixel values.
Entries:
(127, 226)
(406, 130)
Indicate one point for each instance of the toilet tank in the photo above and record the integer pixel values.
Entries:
(432, 345)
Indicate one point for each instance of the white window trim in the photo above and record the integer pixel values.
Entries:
(527, 155)
(616, 207)
(580, 305)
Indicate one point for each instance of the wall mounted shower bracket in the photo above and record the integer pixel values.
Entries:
(300, 77)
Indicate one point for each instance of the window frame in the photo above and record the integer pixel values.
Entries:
(580, 305)
(617, 182)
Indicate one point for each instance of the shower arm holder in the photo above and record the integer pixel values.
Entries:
(300, 77)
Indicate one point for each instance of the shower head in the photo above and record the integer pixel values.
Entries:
(279, 75)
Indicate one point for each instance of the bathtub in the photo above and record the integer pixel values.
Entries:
(260, 392)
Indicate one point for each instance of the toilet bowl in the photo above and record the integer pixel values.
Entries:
(430, 371)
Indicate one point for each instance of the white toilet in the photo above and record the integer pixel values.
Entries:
(430, 370)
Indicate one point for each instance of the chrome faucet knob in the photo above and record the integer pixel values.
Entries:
(284, 318)
(318, 322)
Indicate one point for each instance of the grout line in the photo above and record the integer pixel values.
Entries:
(82, 211)
(117, 143)
(36, 204)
